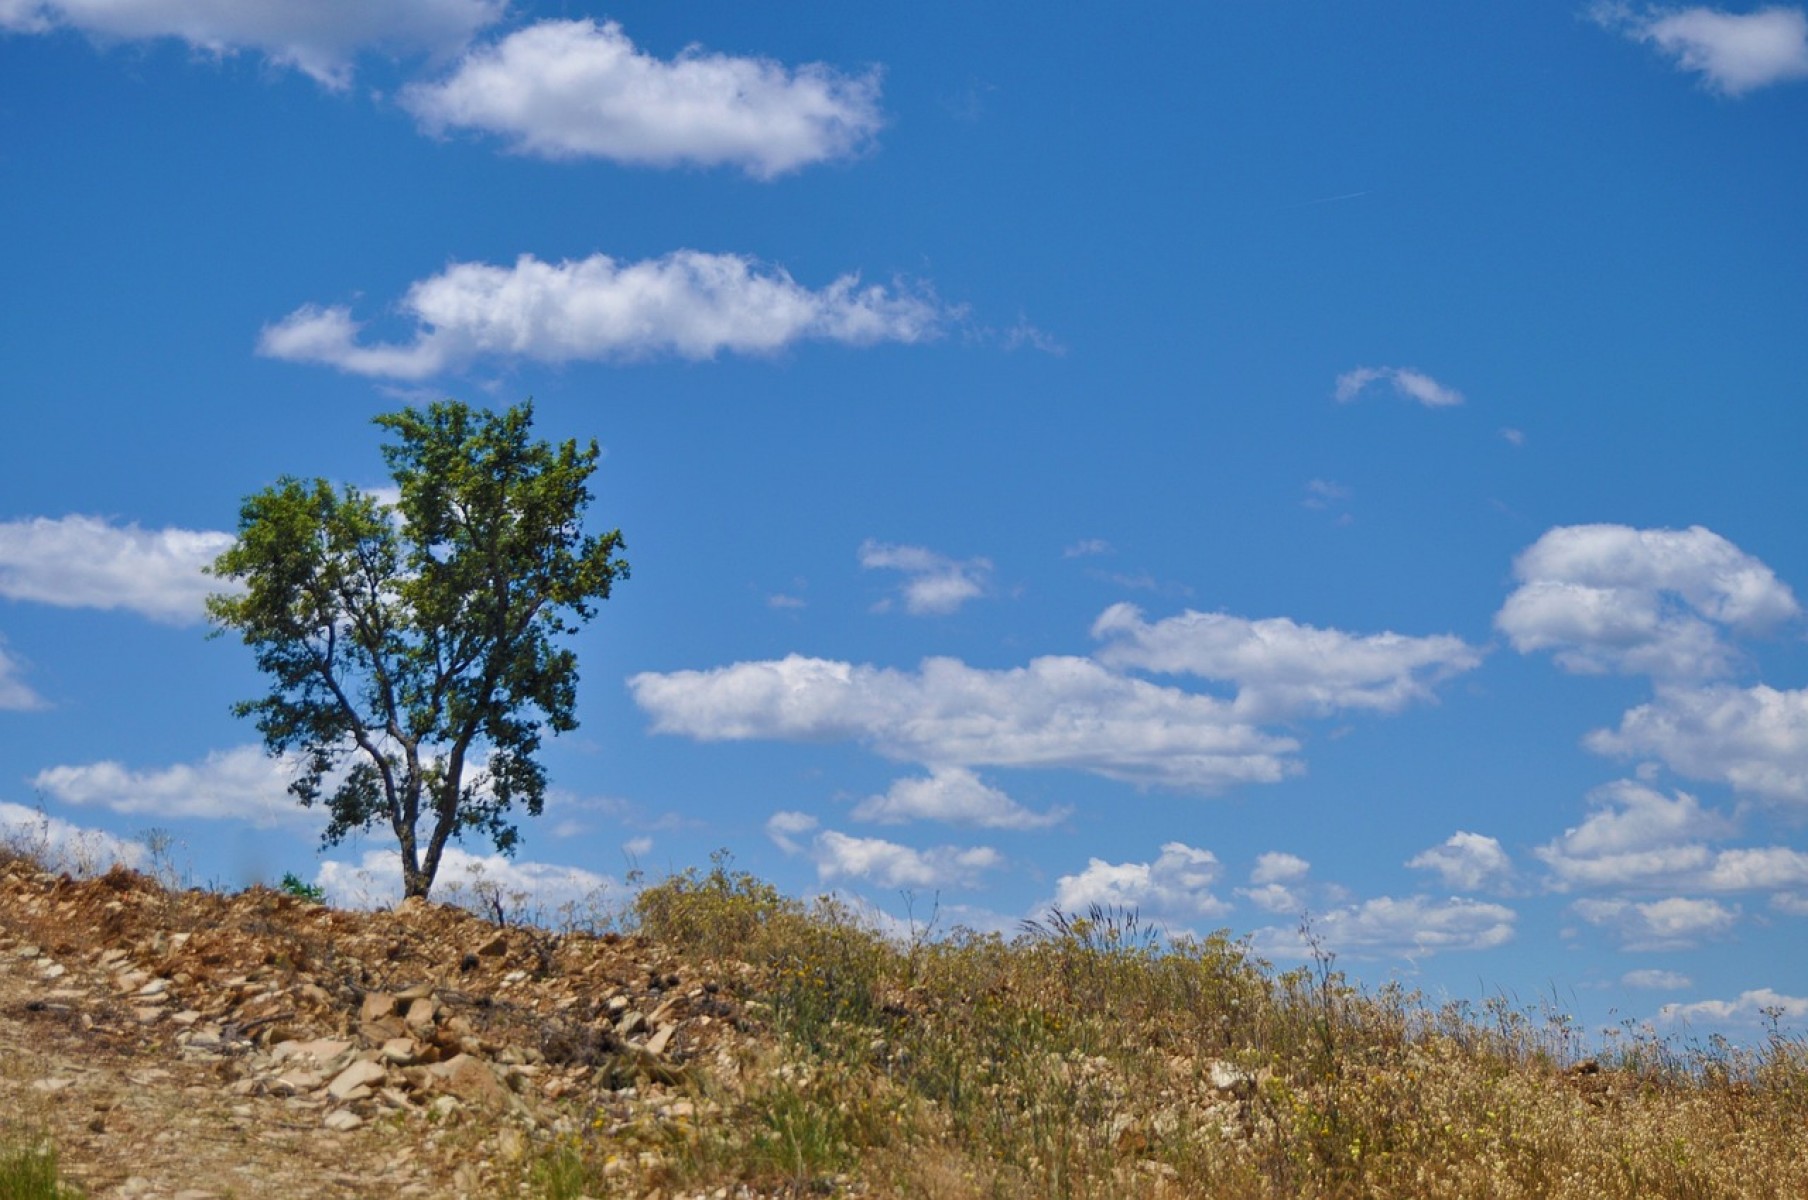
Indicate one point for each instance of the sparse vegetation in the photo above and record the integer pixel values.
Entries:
(1087, 1057)
(28, 1171)
(805, 1054)
(293, 885)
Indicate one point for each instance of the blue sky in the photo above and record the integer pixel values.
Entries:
(1235, 461)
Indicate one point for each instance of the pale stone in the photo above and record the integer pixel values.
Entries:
(400, 1051)
(420, 1013)
(376, 1006)
(358, 1075)
(660, 1040)
(342, 1120)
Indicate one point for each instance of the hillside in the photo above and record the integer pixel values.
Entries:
(191, 1044)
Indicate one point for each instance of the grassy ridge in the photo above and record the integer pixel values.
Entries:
(1086, 1058)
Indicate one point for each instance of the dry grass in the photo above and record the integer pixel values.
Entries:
(1086, 1058)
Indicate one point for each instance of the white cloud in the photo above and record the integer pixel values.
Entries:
(1176, 886)
(1406, 382)
(318, 37)
(934, 584)
(688, 303)
(15, 694)
(1640, 601)
(838, 856)
(1734, 53)
(60, 845)
(1467, 861)
(576, 89)
(1668, 981)
(1754, 1007)
(86, 562)
(1087, 548)
(375, 881)
(241, 784)
(1754, 739)
(1323, 493)
(1388, 926)
(1055, 712)
(954, 795)
(1281, 668)
(1792, 904)
(1274, 898)
(785, 827)
(1675, 923)
(1637, 837)
(1276, 867)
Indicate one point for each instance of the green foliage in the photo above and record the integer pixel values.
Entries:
(293, 885)
(30, 1173)
(413, 650)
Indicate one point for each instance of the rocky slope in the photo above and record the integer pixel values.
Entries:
(188, 1045)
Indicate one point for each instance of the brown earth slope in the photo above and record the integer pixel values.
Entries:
(189, 1045)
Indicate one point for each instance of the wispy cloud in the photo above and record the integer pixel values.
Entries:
(319, 38)
(954, 795)
(875, 860)
(375, 880)
(241, 784)
(934, 584)
(577, 89)
(1674, 923)
(1734, 53)
(1390, 926)
(1405, 381)
(687, 304)
(87, 562)
(1751, 1008)
(15, 694)
(62, 845)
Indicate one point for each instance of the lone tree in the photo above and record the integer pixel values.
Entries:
(413, 648)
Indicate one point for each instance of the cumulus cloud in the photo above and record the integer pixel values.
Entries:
(688, 303)
(888, 864)
(577, 89)
(1675, 923)
(1753, 1007)
(1389, 926)
(1282, 668)
(63, 846)
(1606, 598)
(1175, 886)
(241, 784)
(1637, 837)
(1466, 861)
(1276, 867)
(1734, 53)
(15, 694)
(1405, 381)
(375, 881)
(1753, 739)
(319, 38)
(86, 562)
(934, 584)
(1055, 712)
(954, 795)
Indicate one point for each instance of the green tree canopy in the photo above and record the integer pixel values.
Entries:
(414, 650)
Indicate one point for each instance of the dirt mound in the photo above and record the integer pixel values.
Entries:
(191, 1044)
